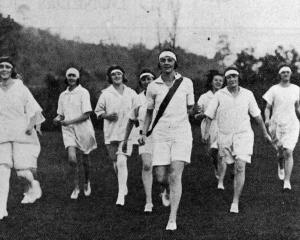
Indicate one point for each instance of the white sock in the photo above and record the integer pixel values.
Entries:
(27, 174)
(4, 186)
(122, 173)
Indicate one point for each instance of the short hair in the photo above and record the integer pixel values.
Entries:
(210, 76)
(9, 60)
(169, 50)
(147, 70)
(114, 67)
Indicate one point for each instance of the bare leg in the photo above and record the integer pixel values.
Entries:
(147, 176)
(176, 170)
(4, 189)
(222, 172)
(289, 163)
(86, 166)
(239, 180)
(122, 178)
(74, 166)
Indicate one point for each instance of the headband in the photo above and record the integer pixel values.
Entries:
(8, 63)
(285, 69)
(146, 74)
(167, 54)
(116, 70)
(231, 72)
(73, 71)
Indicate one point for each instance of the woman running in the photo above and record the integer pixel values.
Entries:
(215, 82)
(138, 114)
(283, 102)
(114, 106)
(19, 143)
(232, 107)
(74, 109)
(171, 135)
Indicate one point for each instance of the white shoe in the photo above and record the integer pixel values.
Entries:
(234, 208)
(75, 193)
(27, 198)
(87, 189)
(220, 186)
(120, 200)
(36, 189)
(165, 198)
(281, 174)
(171, 226)
(287, 185)
(148, 207)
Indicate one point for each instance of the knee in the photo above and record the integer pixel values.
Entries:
(122, 161)
(174, 177)
(147, 167)
(160, 178)
(239, 168)
(287, 154)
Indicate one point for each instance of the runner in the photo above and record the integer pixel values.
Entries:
(283, 101)
(138, 114)
(74, 109)
(114, 106)
(19, 143)
(215, 82)
(231, 106)
(172, 135)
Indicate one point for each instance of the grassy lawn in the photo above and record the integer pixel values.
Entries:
(265, 211)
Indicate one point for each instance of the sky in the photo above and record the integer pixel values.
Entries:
(262, 24)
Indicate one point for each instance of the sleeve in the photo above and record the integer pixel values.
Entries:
(201, 100)
(190, 94)
(212, 107)
(86, 102)
(101, 105)
(31, 105)
(60, 106)
(269, 96)
(254, 110)
(150, 96)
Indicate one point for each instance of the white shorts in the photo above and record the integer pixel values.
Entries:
(166, 152)
(236, 146)
(284, 137)
(19, 155)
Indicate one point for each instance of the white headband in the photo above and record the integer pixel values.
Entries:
(285, 69)
(167, 54)
(146, 74)
(231, 71)
(8, 63)
(73, 71)
(116, 70)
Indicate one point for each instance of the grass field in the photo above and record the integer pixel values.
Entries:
(265, 211)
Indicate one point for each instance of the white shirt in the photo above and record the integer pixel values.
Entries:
(111, 101)
(176, 111)
(72, 104)
(233, 112)
(17, 106)
(282, 100)
(204, 99)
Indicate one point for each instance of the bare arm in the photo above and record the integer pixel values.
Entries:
(262, 126)
(206, 131)
(268, 114)
(297, 109)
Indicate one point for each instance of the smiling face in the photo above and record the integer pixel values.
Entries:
(232, 80)
(167, 64)
(116, 77)
(72, 79)
(217, 82)
(5, 70)
(145, 81)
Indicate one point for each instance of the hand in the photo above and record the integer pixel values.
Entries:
(57, 120)
(124, 146)
(38, 130)
(113, 117)
(64, 123)
(268, 138)
(198, 116)
(28, 130)
(142, 140)
(267, 123)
